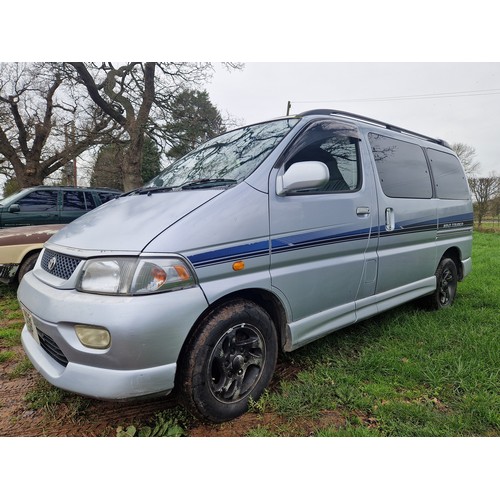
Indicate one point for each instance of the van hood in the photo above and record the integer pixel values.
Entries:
(129, 223)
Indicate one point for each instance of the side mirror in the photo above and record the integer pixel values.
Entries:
(303, 175)
(14, 208)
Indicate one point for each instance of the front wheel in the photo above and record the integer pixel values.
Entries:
(230, 359)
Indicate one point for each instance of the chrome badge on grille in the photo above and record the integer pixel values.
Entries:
(59, 265)
(52, 263)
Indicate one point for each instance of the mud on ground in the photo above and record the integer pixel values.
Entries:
(83, 417)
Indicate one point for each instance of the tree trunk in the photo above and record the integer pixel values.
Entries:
(29, 176)
(133, 121)
(132, 165)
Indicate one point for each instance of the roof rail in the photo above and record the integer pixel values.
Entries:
(380, 123)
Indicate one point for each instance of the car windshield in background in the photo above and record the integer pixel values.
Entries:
(10, 198)
(225, 160)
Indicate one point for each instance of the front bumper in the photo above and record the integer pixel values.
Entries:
(147, 334)
(96, 382)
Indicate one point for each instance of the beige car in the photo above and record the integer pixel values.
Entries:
(20, 248)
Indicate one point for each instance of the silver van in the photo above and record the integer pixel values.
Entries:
(260, 240)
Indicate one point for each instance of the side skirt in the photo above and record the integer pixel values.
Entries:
(308, 329)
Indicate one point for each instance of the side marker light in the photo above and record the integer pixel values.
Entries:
(239, 265)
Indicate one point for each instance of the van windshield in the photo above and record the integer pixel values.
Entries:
(225, 160)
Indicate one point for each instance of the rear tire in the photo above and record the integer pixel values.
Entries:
(230, 359)
(446, 286)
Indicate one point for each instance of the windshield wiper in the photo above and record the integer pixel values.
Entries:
(198, 184)
(148, 190)
(201, 183)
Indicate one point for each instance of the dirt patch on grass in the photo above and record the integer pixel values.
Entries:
(76, 416)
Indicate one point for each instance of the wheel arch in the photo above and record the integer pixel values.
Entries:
(26, 256)
(263, 298)
(455, 255)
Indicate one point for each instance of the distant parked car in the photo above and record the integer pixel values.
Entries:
(51, 205)
(20, 248)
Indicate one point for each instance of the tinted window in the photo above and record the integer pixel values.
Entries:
(334, 144)
(89, 199)
(402, 168)
(39, 201)
(448, 175)
(73, 200)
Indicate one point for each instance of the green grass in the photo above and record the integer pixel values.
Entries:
(11, 321)
(46, 397)
(407, 372)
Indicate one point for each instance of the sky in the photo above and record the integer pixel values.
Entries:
(454, 101)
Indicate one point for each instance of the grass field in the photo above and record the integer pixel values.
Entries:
(407, 372)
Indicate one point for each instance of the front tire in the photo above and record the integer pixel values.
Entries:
(231, 358)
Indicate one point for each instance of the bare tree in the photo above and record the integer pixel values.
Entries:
(44, 123)
(484, 190)
(467, 156)
(138, 97)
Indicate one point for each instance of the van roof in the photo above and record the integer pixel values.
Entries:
(372, 121)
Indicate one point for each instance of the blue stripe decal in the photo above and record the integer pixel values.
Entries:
(410, 226)
(293, 242)
(317, 238)
(229, 254)
(323, 237)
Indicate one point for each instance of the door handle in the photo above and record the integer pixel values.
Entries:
(390, 223)
(363, 211)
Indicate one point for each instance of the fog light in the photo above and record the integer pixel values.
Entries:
(93, 336)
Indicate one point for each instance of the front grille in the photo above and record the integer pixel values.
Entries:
(51, 348)
(58, 264)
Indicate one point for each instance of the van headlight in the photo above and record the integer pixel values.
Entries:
(131, 276)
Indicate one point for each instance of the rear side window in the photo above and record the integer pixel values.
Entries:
(448, 175)
(73, 200)
(39, 201)
(402, 167)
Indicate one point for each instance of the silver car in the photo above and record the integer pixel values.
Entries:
(263, 239)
